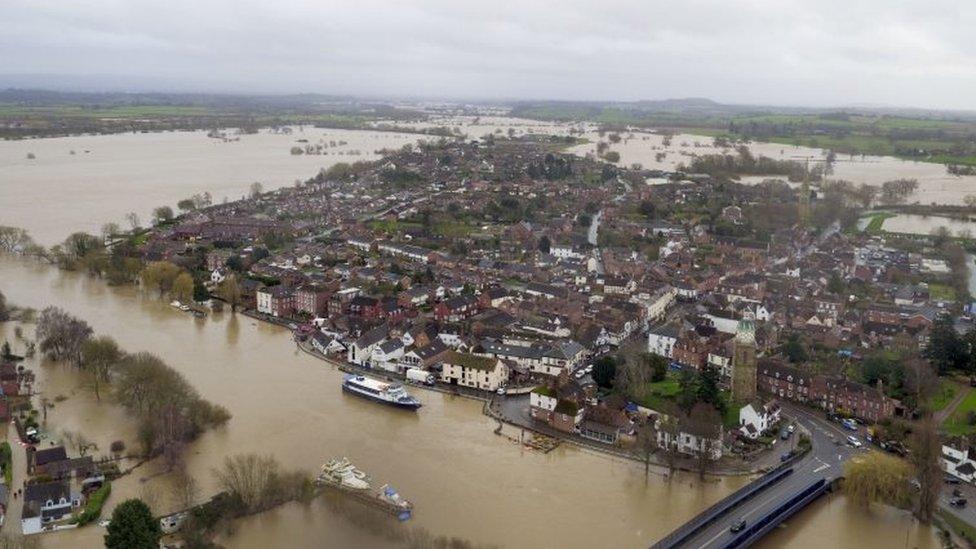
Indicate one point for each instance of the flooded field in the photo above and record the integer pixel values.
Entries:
(108, 176)
(928, 224)
(648, 150)
(465, 481)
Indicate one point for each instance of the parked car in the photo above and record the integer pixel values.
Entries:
(957, 502)
(849, 424)
(786, 456)
(792, 427)
(738, 526)
(956, 492)
(949, 479)
(853, 441)
(784, 433)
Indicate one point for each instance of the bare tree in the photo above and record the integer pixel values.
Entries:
(110, 229)
(646, 443)
(133, 219)
(99, 356)
(186, 489)
(669, 428)
(705, 423)
(258, 482)
(925, 457)
(61, 335)
(230, 291)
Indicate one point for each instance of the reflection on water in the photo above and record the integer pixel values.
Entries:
(465, 481)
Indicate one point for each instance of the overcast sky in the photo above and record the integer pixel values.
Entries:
(790, 52)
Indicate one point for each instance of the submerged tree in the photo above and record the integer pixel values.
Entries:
(230, 291)
(99, 356)
(877, 478)
(61, 335)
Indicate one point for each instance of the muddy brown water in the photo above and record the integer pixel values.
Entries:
(465, 481)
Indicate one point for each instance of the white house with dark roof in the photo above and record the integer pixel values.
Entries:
(959, 463)
(755, 419)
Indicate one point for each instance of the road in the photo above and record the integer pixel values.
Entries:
(826, 460)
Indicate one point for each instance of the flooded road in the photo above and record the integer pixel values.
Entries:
(465, 481)
(108, 176)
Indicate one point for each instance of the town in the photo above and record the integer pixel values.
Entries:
(681, 319)
(589, 302)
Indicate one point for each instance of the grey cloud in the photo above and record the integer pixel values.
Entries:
(909, 53)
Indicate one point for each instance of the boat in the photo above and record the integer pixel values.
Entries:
(381, 391)
(184, 308)
(399, 504)
(175, 303)
(340, 473)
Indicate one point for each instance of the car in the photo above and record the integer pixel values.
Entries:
(949, 479)
(784, 433)
(957, 492)
(786, 456)
(853, 441)
(849, 424)
(957, 502)
(501, 391)
(792, 427)
(738, 526)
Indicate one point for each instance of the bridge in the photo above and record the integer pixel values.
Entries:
(771, 499)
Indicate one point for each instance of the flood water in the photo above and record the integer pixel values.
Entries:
(466, 481)
(928, 224)
(108, 176)
(640, 147)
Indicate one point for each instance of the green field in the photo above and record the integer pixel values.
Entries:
(947, 391)
(877, 222)
(942, 292)
(958, 423)
(658, 394)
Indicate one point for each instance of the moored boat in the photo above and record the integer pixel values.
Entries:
(381, 391)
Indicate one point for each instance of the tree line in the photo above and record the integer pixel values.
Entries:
(169, 411)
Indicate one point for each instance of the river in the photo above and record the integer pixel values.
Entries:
(465, 481)
(108, 176)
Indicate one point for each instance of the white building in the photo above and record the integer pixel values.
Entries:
(478, 372)
(565, 251)
(661, 341)
(959, 463)
(756, 419)
(217, 276)
(691, 444)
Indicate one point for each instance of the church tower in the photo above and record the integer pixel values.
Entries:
(744, 373)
